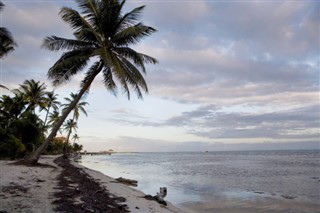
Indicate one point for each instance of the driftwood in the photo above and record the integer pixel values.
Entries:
(127, 181)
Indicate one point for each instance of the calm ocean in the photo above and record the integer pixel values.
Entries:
(239, 181)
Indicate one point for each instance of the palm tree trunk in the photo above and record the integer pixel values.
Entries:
(68, 137)
(45, 120)
(66, 152)
(33, 159)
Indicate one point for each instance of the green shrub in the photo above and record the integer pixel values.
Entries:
(10, 146)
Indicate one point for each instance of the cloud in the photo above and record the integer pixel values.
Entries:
(300, 123)
(214, 122)
(281, 28)
(175, 15)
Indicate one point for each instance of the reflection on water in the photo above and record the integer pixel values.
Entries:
(270, 181)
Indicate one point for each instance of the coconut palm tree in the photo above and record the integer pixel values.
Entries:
(34, 93)
(53, 119)
(69, 126)
(79, 107)
(7, 43)
(11, 108)
(51, 101)
(104, 35)
(75, 137)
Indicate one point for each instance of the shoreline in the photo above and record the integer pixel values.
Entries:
(38, 189)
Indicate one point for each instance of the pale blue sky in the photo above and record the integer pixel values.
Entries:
(232, 75)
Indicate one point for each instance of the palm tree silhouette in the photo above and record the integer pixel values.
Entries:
(33, 93)
(103, 35)
(51, 101)
(7, 43)
(75, 137)
(69, 126)
(79, 107)
(53, 119)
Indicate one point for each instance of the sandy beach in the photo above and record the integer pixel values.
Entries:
(49, 188)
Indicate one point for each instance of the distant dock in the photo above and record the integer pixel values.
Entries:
(96, 153)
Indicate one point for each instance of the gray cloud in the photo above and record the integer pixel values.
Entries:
(300, 123)
(271, 46)
(213, 122)
(281, 28)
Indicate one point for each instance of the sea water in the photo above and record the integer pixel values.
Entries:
(239, 181)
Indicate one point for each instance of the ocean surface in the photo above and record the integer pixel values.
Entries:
(238, 181)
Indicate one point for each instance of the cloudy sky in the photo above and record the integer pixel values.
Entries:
(232, 75)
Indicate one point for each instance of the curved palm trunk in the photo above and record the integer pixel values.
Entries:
(45, 120)
(33, 159)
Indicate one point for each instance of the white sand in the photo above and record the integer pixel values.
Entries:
(30, 189)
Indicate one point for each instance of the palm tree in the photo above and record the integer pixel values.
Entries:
(79, 107)
(50, 101)
(54, 118)
(34, 93)
(7, 43)
(76, 110)
(11, 109)
(75, 137)
(104, 35)
(69, 126)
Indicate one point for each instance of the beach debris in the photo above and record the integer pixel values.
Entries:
(259, 192)
(127, 181)
(86, 194)
(40, 180)
(14, 189)
(290, 197)
(160, 195)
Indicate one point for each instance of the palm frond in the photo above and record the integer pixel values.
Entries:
(132, 35)
(7, 44)
(90, 11)
(4, 87)
(138, 58)
(130, 18)
(108, 81)
(55, 43)
(128, 75)
(135, 78)
(1, 5)
(110, 16)
(68, 65)
(83, 30)
(91, 71)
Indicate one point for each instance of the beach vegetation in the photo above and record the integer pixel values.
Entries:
(22, 126)
(10, 146)
(102, 42)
